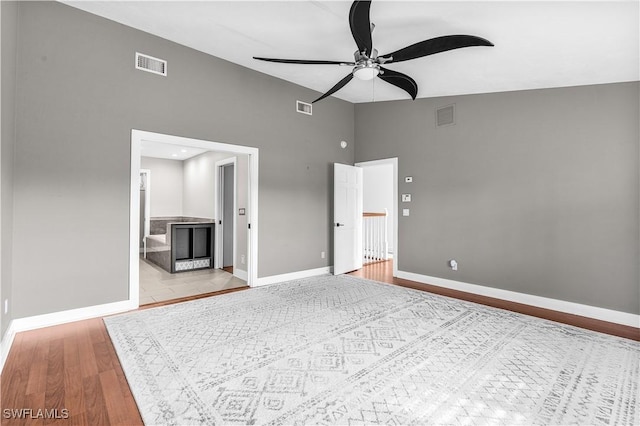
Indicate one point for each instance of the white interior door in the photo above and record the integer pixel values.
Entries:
(347, 218)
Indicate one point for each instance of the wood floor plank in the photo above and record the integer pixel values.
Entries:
(103, 356)
(88, 364)
(95, 404)
(116, 401)
(37, 382)
(35, 402)
(55, 390)
(73, 396)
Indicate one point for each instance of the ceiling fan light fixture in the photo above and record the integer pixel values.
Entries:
(366, 72)
(368, 65)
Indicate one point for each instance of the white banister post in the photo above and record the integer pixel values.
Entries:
(385, 247)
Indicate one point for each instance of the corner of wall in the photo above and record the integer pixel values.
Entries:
(8, 61)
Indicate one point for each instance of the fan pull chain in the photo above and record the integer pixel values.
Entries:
(373, 90)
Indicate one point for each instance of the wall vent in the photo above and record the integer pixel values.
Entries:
(304, 108)
(151, 64)
(446, 116)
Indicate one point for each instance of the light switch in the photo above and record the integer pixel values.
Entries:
(406, 198)
(408, 179)
(405, 212)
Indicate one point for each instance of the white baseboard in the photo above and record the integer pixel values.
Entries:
(594, 312)
(7, 341)
(240, 273)
(63, 317)
(292, 276)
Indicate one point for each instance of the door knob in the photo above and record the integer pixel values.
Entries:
(339, 224)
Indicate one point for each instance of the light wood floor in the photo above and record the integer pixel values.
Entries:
(75, 367)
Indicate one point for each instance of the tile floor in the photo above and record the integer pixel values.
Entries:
(157, 285)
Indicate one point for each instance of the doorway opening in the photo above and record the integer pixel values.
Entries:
(227, 221)
(190, 223)
(380, 202)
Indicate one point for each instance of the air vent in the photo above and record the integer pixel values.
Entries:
(446, 116)
(304, 108)
(151, 64)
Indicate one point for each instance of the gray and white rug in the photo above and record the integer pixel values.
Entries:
(347, 351)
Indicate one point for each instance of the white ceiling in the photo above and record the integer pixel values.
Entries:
(538, 44)
(168, 151)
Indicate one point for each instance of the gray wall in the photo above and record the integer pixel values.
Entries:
(199, 184)
(534, 191)
(79, 96)
(8, 13)
(166, 183)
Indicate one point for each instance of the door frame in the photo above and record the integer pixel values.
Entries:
(394, 162)
(219, 246)
(137, 136)
(147, 204)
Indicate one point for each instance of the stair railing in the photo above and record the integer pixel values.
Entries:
(374, 237)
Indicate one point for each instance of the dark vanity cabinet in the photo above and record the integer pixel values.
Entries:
(192, 246)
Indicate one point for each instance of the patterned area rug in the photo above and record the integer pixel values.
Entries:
(347, 351)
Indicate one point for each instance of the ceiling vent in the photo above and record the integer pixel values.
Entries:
(151, 64)
(446, 116)
(304, 108)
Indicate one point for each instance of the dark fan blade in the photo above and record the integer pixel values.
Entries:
(400, 80)
(435, 45)
(299, 61)
(335, 88)
(361, 25)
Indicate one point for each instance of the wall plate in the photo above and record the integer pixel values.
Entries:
(406, 198)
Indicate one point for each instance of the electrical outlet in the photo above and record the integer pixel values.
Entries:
(453, 264)
(322, 255)
(405, 212)
(242, 259)
(406, 198)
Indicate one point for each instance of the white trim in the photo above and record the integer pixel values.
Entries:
(7, 342)
(147, 202)
(79, 314)
(293, 276)
(240, 273)
(252, 225)
(219, 185)
(134, 220)
(594, 312)
(394, 162)
(137, 136)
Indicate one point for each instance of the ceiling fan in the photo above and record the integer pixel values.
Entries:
(367, 63)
